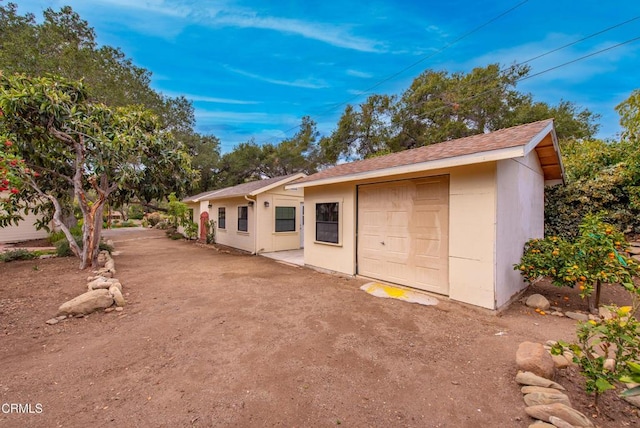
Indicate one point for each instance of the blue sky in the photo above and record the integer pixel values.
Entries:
(254, 68)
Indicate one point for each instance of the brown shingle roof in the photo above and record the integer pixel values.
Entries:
(501, 139)
(250, 188)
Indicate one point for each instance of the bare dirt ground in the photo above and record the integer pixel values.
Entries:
(213, 338)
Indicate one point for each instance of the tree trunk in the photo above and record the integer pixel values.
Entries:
(91, 232)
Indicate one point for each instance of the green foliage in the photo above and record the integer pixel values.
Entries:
(633, 376)
(191, 229)
(629, 111)
(96, 151)
(178, 211)
(19, 254)
(211, 232)
(154, 218)
(136, 212)
(594, 257)
(618, 339)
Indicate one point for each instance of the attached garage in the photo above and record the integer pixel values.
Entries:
(403, 232)
(451, 218)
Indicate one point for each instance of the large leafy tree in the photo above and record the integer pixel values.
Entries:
(441, 106)
(68, 141)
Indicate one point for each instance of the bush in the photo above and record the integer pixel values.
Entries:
(154, 218)
(20, 254)
(136, 212)
(63, 249)
(595, 257)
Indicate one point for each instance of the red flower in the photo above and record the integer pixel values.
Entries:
(14, 191)
(2, 188)
(8, 143)
(36, 174)
(13, 162)
(5, 182)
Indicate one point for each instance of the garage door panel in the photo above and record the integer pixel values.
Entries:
(403, 232)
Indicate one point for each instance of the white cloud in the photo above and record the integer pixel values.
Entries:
(151, 6)
(298, 83)
(334, 35)
(357, 73)
(206, 99)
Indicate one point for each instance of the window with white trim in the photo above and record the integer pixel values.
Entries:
(222, 218)
(243, 219)
(327, 222)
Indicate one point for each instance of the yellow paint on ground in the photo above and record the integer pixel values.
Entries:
(391, 292)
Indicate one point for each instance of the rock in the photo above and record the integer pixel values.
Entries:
(555, 308)
(578, 316)
(110, 243)
(634, 244)
(540, 424)
(532, 357)
(636, 258)
(605, 313)
(117, 295)
(544, 412)
(116, 284)
(550, 343)
(609, 364)
(110, 309)
(538, 301)
(633, 250)
(61, 317)
(527, 389)
(99, 282)
(634, 400)
(560, 361)
(119, 309)
(528, 378)
(101, 260)
(87, 303)
(538, 398)
(559, 423)
(557, 314)
(52, 321)
(110, 265)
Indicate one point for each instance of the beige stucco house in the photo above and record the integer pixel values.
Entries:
(449, 218)
(25, 229)
(258, 217)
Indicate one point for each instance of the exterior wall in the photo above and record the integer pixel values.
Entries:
(268, 239)
(472, 226)
(25, 230)
(472, 230)
(521, 212)
(230, 236)
(339, 257)
(260, 219)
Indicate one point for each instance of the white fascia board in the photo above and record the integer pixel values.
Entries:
(277, 183)
(539, 137)
(494, 155)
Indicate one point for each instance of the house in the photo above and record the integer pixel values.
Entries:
(449, 218)
(25, 230)
(259, 216)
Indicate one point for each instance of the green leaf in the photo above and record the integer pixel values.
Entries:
(603, 385)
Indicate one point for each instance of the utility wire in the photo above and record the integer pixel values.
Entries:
(424, 58)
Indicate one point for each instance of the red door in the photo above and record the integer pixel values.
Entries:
(204, 221)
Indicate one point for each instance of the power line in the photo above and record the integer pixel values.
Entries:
(424, 58)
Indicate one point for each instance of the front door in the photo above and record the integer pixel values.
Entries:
(204, 221)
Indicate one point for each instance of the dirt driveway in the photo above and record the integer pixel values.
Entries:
(223, 339)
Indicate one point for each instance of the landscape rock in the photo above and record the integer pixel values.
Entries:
(557, 314)
(87, 303)
(99, 282)
(633, 250)
(538, 301)
(528, 378)
(559, 423)
(573, 417)
(605, 313)
(101, 260)
(117, 296)
(578, 316)
(61, 317)
(532, 357)
(527, 389)
(115, 284)
(540, 424)
(119, 309)
(110, 265)
(52, 321)
(634, 401)
(560, 361)
(538, 398)
(110, 243)
(609, 364)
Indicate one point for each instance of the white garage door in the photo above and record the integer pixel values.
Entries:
(403, 232)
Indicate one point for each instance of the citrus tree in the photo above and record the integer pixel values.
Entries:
(596, 256)
(75, 149)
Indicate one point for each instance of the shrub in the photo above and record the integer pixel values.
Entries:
(596, 256)
(20, 254)
(136, 212)
(154, 218)
(191, 229)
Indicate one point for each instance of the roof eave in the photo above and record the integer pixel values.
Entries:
(277, 183)
(480, 157)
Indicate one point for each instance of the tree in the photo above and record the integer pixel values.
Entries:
(205, 152)
(296, 154)
(89, 147)
(441, 106)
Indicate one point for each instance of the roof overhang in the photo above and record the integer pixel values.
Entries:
(545, 143)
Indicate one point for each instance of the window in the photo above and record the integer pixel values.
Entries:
(243, 215)
(327, 222)
(285, 219)
(222, 218)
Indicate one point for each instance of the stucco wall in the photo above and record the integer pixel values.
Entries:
(339, 257)
(472, 202)
(472, 229)
(24, 231)
(267, 239)
(520, 208)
